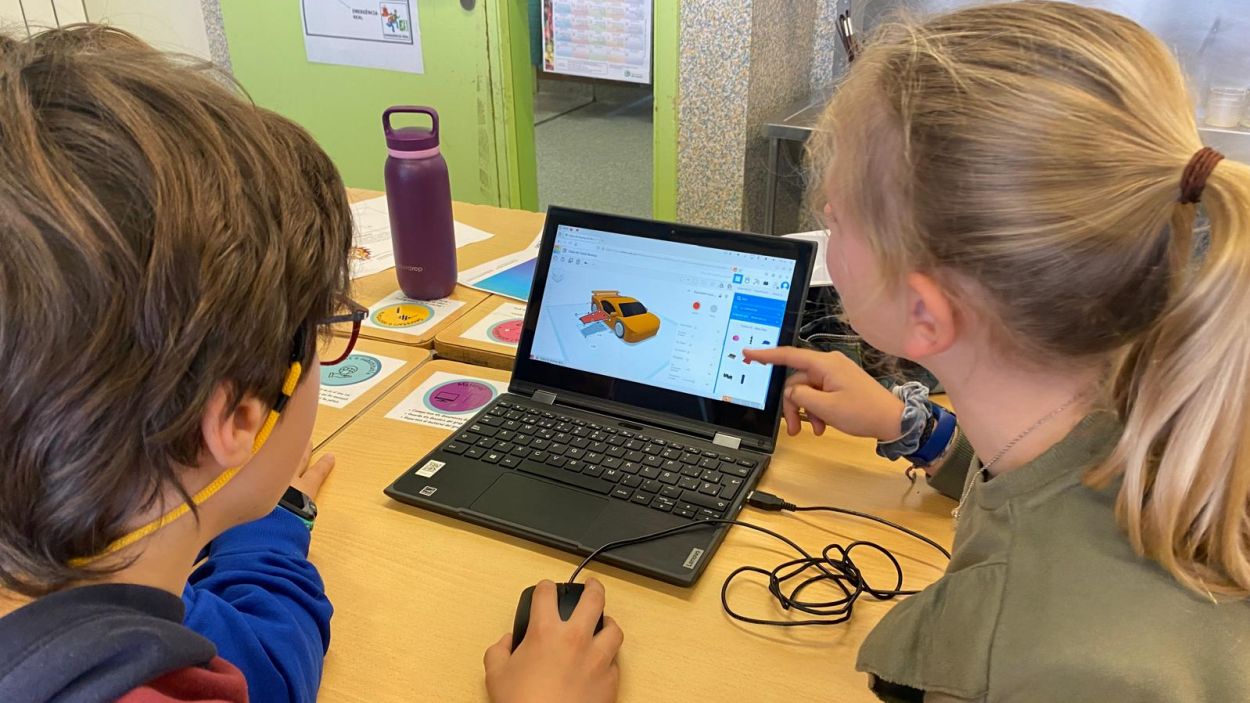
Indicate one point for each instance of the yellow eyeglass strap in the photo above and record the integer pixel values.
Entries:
(288, 389)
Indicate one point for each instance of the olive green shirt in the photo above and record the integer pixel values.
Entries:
(1044, 600)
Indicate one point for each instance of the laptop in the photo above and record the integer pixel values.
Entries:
(630, 409)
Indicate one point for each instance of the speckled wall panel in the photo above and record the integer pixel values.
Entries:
(781, 56)
(216, 30)
(712, 110)
(828, 58)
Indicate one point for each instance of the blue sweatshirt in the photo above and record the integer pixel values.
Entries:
(259, 599)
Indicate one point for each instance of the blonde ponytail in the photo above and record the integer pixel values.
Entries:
(1182, 391)
(1033, 152)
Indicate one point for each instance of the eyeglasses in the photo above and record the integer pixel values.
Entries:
(336, 343)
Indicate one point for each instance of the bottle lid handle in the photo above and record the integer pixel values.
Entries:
(409, 109)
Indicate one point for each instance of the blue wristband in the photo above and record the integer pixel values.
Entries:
(943, 430)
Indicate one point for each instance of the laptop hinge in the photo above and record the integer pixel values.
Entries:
(544, 397)
(727, 440)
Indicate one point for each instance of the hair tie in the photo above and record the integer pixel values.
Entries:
(1194, 179)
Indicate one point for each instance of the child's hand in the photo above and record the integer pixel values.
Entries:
(834, 391)
(558, 660)
(310, 476)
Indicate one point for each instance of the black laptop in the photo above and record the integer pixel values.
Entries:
(630, 409)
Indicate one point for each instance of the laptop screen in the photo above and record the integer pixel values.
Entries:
(648, 320)
(662, 313)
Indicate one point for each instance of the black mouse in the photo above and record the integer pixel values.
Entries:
(567, 596)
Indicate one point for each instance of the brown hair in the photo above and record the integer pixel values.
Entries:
(1032, 152)
(161, 235)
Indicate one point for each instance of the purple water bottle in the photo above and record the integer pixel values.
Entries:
(418, 194)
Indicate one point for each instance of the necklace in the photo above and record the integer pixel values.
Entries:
(1002, 452)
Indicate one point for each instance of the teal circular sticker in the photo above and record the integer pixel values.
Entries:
(356, 368)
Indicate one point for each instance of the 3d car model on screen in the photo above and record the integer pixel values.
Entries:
(624, 315)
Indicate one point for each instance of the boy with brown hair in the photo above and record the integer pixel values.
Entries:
(171, 257)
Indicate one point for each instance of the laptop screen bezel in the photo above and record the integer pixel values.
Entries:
(653, 401)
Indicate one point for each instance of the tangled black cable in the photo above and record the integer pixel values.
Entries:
(834, 565)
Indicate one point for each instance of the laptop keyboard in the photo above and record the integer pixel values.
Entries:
(688, 481)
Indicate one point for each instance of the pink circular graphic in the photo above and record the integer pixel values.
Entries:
(736, 337)
(506, 332)
(459, 397)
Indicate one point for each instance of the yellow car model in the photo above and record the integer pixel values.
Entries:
(627, 317)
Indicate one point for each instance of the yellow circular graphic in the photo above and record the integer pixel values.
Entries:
(402, 315)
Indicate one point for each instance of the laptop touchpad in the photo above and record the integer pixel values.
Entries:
(556, 510)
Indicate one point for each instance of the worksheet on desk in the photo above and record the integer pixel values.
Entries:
(446, 400)
(372, 247)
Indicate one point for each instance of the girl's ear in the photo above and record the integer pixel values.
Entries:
(930, 327)
(230, 432)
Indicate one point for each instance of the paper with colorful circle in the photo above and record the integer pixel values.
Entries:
(501, 326)
(398, 313)
(351, 378)
(446, 400)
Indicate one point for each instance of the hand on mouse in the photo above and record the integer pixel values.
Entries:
(835, 392)
(558, 660)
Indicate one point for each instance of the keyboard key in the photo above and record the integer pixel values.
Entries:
(592, 470)
(748, 463)
(688, 483)
(598, 436)
(708, 488)
(575, 453)
(676, 446)
(671, 453)
(635, 444)
(709, 463)
(671, 492)
(539, 456)
(506, 404)
(565, 427)
(593, 457)
(557, 449)
(545, 433)
(653, 461)
(504, 447)
(511, 425)
(492, 457)
(735, 470)
(522, 440)
(617, 441)
(708, 513)
(642, 498)
(612, 475)
(653, 449)
(591, 484)
(682, 512)
(612, 463)
(652, 485)
(600, 447)
(660, 442)
(650, 472)
(690, 458)
(510, 462)
(580, 443)
(491, 421)
(710, 476)
(644, 439)
(595, 426)
(580, 431)
(725, 457)
(694, 509)
(616, 451)
(484, 430)
(669, 477)
(474, 452)
(627, 434)
(485, 443)
(520, 451)
(704, 501)
(505, 436)
(635, 456)
(454, 448)
(467, 438)
(557, 461)
(622, 492)
(662, 504)
(631, 481)
(709, 454)
(691, 470)
(630, 467)
(672, 465)
(729, 490)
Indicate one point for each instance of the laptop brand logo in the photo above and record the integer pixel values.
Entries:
(693, 559)
(428, 491)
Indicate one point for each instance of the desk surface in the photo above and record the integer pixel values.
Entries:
(513, 230)
(468, 339)
(418, 597)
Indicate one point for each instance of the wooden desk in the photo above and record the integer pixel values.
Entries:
(452, 343)
(331, 419)
(513, 230)
(418, 597)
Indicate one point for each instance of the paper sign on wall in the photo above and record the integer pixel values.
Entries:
(501, 326)
(446, 400)
(364, 33)
(351, 378)
(598, 39)
(404, 315)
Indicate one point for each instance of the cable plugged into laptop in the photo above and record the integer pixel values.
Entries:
(769, 502)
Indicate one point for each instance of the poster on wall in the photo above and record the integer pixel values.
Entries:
(609, 39)
(364, 33)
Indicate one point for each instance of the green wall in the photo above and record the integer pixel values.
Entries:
(342, 106)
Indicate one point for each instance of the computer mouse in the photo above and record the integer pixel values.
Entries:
(567, 596)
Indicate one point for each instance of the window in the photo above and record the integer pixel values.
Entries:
(608, 307)
(632, 309)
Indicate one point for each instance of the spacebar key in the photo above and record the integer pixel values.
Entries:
(562, 476)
